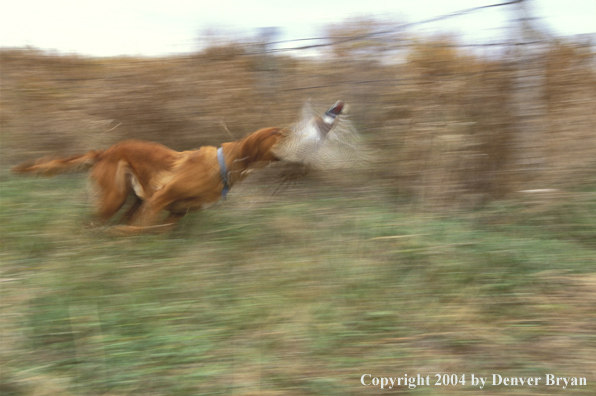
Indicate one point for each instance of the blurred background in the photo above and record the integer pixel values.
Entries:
(466, 244)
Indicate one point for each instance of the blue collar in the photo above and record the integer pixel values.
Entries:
(223, 170)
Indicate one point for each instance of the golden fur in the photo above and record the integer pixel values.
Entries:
(161, 179)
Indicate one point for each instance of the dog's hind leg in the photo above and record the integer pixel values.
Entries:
(111, 190)
(108, 205)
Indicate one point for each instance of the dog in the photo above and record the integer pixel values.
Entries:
(161, 179)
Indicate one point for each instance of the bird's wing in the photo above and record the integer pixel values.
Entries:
(326, 142)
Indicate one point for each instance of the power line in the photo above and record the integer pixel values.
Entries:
(395, 29)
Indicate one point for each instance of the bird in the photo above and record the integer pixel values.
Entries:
(178, 182)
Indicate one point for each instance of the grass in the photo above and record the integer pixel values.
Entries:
(294, 296)
(446, 124)
(303, 292)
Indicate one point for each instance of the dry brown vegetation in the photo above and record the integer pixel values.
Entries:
(443, 120)
(296, 293)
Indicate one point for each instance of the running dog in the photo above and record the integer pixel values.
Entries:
(161, 179)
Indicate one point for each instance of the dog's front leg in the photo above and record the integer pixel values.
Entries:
(144, 220)
(131, 213)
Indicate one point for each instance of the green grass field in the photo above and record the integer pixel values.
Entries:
(295, 294)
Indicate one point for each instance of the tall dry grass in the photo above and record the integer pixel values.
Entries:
(442, 120)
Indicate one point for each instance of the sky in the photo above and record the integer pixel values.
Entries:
(162, 27)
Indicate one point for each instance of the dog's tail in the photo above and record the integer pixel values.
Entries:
(50, 167)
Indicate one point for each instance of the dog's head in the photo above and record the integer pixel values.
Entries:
(321, 141)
